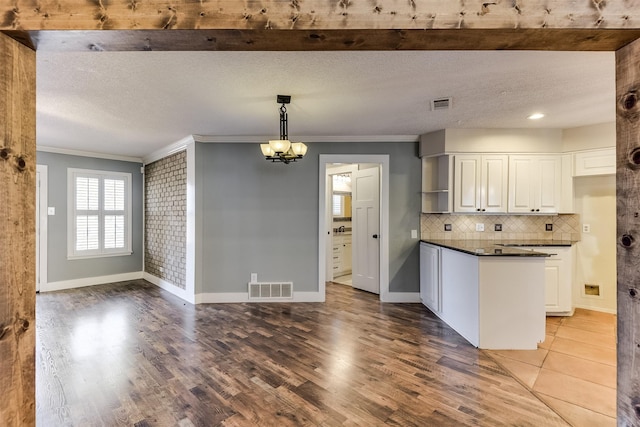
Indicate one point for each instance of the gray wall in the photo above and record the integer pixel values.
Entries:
(259, 217)
(59, 268)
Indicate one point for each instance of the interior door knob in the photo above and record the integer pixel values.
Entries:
(375, 236)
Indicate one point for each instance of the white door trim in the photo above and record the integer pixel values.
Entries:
(383, 161)
(41, 235)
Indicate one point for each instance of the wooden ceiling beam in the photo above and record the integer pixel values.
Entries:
(315, 14)
(316, 40)
(190, 25)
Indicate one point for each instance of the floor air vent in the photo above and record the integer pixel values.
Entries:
(270, 290)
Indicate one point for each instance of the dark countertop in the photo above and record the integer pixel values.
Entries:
(497, 248)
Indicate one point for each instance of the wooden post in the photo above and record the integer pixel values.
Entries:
(17, 233)
(628, 231)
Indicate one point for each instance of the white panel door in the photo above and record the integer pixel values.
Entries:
(365, 213)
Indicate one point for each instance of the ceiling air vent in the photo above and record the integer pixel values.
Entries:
(441, 104)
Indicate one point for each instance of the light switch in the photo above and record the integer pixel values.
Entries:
(51, 210)
(414, 234)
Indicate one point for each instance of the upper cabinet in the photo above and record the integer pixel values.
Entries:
(595, 162)
(535, 183)
(480, 183)
(436, 182)
(462, 173)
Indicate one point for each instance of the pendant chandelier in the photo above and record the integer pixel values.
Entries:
(283, 150)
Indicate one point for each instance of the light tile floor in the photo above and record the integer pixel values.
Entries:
(574, 370)
(344, 280)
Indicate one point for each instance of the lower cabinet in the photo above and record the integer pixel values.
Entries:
(494, 302)
(558, 275)
(341, 255)
(430, 283)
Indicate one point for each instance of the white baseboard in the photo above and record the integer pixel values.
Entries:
(402, 297)
(89, 281)
(236, 297)
(603, 310)
(169, 287)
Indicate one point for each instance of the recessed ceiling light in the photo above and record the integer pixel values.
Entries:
(536, 116)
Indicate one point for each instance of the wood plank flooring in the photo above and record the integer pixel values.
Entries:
(131, 354)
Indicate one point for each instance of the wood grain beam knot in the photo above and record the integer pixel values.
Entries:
(634, 159)
(636, 406)
(627, 240)
(628, 105)
(21, 164)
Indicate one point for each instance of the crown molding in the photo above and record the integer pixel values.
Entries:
(170, 149)
(307, 139)
(71, 152)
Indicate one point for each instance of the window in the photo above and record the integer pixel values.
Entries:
(337, 205)
(99, 213)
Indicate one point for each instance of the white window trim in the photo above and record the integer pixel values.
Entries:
(71, 215)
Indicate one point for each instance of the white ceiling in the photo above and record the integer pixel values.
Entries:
(134, 103)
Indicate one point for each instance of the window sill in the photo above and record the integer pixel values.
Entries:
(107, 255)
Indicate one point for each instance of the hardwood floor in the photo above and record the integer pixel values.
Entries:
(132, 354)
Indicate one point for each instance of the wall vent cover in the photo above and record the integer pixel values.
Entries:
(270, 290)
(441, 104)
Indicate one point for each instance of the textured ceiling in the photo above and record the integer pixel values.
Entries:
(133, 103)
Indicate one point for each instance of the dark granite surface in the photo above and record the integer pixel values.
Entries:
(497, 248)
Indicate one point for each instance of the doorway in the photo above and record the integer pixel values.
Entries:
(372, 268)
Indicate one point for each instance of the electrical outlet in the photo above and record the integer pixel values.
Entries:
(447, 227)
(586, 228)
(548, 227)
(414, 234)
(497, 227)
(479, 227)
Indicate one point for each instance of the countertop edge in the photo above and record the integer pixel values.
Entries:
(490, 248)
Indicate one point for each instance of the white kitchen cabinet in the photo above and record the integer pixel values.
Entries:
(341, 254)
(494, 302)
(430, 276)
(558, 278)
(480, 183)
(535, 183)
(436, 182)
(346, 256)
(595, 162)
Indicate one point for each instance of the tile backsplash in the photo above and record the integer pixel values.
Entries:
(514, 227)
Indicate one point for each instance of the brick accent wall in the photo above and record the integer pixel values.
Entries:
(166, 218)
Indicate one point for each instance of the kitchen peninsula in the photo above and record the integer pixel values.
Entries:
(491, 294)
